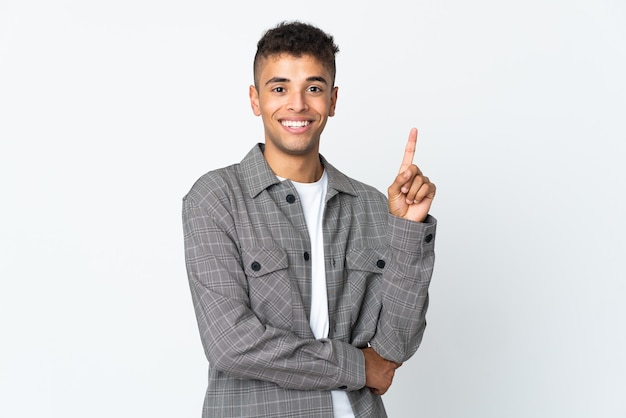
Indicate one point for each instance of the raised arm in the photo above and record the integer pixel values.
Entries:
(411, 237)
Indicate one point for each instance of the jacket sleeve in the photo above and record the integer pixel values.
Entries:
(235, 341)
(405, 283)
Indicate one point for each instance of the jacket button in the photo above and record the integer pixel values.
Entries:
(380, 264)
(428, 238)
(306, 256)
(290, 198)
(256, 266)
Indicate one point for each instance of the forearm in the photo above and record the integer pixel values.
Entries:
(236, 343)
(405, 284)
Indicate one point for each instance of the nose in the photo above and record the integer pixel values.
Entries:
(297, 102)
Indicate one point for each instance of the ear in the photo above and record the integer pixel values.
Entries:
(254, 101)
(333, 101)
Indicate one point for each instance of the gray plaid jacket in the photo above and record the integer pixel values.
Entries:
(247, 255)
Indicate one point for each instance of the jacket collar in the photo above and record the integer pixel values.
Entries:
(260, 176)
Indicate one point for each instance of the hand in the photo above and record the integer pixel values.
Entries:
(378, 371)
(412, 193)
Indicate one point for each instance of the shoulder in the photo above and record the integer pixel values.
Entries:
(367, 189)
(222, 183)
(369, 201)
(351, 186)
(214, 185)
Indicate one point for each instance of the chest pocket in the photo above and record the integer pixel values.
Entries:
(269, 287)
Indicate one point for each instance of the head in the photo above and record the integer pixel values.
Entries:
(296, 39)
(294, 92)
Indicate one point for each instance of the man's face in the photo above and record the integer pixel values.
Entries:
(295, 97)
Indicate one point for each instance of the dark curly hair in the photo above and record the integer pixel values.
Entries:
(297, 39)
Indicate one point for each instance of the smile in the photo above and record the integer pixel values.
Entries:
(295, 123)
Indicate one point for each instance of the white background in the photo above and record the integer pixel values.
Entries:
(110, 110)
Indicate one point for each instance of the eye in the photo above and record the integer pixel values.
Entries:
(278, 89)
(315, 89)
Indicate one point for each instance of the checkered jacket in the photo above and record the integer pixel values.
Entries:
(247, 254)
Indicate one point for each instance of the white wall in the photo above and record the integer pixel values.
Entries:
(109, 111)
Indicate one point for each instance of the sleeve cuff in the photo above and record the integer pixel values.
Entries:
(413, 237)
(351, 366)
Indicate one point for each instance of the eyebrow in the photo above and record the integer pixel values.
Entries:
(286, 80)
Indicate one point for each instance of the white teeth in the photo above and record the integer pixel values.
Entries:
(295, 124)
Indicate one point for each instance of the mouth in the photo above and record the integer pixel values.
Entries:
(295, 124)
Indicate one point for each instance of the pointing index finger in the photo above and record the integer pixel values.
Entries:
(409, 150)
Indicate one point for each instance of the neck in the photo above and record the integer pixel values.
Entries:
(300, 168)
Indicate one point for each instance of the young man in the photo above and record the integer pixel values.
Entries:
(310, 288)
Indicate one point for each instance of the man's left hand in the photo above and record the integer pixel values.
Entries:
(412, 193)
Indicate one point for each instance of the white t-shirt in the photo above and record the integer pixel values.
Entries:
(312, 196)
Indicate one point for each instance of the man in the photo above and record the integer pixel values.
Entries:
(310, 288)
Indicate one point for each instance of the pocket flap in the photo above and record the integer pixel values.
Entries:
(260, 261)
(368, 259)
